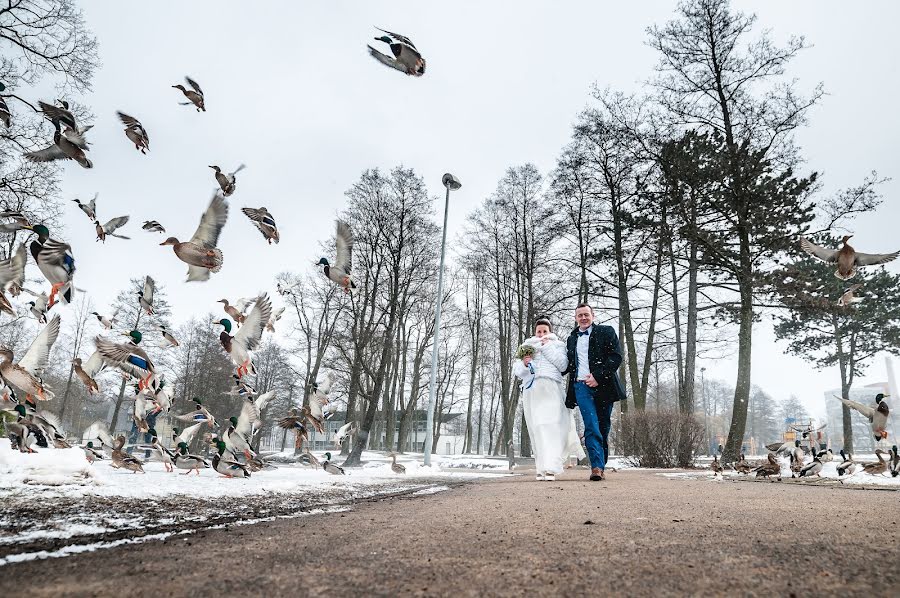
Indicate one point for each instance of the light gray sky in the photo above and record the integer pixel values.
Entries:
(292, 93)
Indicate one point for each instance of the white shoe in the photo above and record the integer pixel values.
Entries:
(540, 477)
(550, 477)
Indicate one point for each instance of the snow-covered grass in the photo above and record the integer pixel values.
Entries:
(66, 472)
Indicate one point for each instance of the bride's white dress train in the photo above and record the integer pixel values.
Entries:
(548, 424)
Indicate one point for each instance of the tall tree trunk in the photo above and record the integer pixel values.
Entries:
(742, 385)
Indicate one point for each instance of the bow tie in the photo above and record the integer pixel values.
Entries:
(585, 333)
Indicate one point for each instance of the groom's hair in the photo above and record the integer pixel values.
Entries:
(580, 305)
(545, 322)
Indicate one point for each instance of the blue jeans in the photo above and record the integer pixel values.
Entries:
(133, 435)
(596, 424)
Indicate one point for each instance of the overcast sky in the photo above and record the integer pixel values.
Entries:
(292, 94)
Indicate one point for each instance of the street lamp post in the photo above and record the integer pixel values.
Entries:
(705, 409)
(451, 183)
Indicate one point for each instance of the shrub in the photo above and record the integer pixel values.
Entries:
(660, 438)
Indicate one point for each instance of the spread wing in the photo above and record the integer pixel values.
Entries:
(211, 222)
(127, 357)
(400, 38)
(249, 416)
(263, 400)
(343, 243)
(93, 203)
(115, 223)
(194, 85)
(324, 386)
(385, 59)
(12, 270)
(77, 137)
(47, 154)
(38, 355)
(262, 216)
(874, 259)
(864, 410)
(255, 323)
(129, 121)
(149, 290)
(817, 251)
(187, 435)
(94, 365)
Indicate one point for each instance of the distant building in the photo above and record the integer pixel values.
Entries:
(863, 442)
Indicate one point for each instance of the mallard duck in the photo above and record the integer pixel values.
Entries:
(848, 298)
(847, 464)
(295, 422)
(67, 145)
(200, 253)
(769, 468)
(406, 57)
(235, 441)
(58, 114)
(190, 462)
(100, 437)
(153, 226)
(895, 462)
(227, 181)
(715, 466)
(121, 459)
(331, 467)
(276, 315)
(814, 468)
(128, 357)
(135, 132)
(308, 459)
(248, 337)
(87, 372)
(233, 312)
(38, 308)
(200, 414)
(226, 466)
(185, 436)
(344, 432)
(26, 373)
(55, 261)
(846, 258)
(877, 415)
(25, 434)
(263, 221)
(145, 296)
(92, 454)
(194, 95)
(249, 421)
(143, 404)
(89, 208)
(161, 398)
(50, 426)
(162, 453)
(781, 447)
(106, 323)
(399, 468)
(877, 468)
(12, 272)
(168, 337)
(109, 229)
(5, 115)
(796, 456)
(339, 272)
(743, 466)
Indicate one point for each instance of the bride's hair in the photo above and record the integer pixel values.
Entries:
(545, 322)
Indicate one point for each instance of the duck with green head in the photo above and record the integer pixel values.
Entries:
(236, 441)
(55, 261)
(185, 460)
(331, 467)
(248, 337)
(406, 58)
(226, 466)
(128, 357)
(339, 271)
(92, 454)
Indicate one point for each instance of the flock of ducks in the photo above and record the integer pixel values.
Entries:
(800, 468)
(22, 387)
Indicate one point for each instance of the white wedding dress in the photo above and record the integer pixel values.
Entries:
(543, 404)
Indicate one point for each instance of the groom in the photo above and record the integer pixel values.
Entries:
(594, 386)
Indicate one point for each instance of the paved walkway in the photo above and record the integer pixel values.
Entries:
(636, 534)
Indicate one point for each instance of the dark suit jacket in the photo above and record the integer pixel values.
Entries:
(605, 357)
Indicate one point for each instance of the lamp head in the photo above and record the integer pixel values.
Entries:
(450, 182)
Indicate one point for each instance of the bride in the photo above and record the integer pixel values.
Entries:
(542, 399)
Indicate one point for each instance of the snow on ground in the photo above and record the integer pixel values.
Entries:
(829, 473)
(53, 503)
(56, 472)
